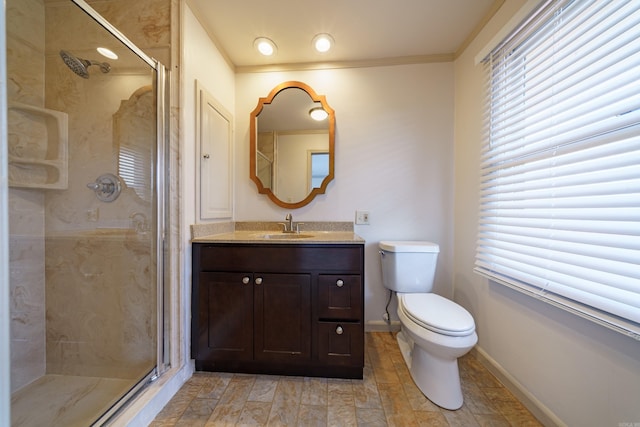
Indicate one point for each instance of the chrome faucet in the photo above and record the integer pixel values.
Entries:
(289, 218)
(288, 226)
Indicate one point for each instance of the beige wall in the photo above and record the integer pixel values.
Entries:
(202, 62)
(579, 372)
(394, 148)
(394, 151)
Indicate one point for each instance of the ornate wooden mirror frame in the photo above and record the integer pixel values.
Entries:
(256, 157)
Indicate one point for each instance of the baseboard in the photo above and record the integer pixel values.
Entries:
(382, 326)
(537, 408)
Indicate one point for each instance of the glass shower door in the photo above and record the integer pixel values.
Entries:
(83, 215)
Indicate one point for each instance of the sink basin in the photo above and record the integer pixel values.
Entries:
(284, 236)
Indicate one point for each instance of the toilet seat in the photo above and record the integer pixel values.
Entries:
(437, 314)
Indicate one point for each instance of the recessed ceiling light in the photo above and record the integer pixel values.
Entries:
(107, 53)
(265, 46)
(318, 114)
(322, 43)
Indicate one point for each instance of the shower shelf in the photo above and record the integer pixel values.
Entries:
(38, 141)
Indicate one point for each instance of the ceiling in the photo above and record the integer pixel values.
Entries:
(365, 31)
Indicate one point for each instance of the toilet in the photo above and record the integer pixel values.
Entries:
(434, 331)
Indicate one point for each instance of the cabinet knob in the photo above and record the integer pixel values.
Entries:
(340, 283)
(258, 280)
(206, 156)
(339, 330)
(245, 280)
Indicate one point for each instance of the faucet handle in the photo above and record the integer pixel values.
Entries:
(298, 224)
(284, 226)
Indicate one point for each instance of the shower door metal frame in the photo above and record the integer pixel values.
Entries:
(5, 357)
(161, 174)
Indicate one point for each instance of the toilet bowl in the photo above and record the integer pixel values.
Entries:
(434, 331)
(431, 351)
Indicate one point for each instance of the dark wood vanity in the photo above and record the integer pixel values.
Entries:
(278, 308)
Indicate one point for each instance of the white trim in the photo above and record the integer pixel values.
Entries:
(531, 402)
(508, 28)
(382, 326)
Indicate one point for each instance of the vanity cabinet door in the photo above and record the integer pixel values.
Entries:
(341, 343)
(225, 316)
(282, 322)
(339, 297)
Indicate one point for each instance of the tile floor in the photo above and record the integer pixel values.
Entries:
(385, 397)
(66, 400)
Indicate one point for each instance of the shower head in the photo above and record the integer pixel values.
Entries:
(81, 66)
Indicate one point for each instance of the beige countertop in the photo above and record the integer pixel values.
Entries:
(268, 236)
(271, 232)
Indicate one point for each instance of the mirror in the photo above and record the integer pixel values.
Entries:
(292, 155)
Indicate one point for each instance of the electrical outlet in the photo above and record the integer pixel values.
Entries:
(362, 217)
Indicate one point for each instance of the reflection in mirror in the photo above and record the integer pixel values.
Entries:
(292, 155)
(133, 124)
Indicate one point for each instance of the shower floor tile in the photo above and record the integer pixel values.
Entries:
(64, 400)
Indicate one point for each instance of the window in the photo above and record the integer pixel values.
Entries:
(134, 164)
(560, 167)
(319, 168)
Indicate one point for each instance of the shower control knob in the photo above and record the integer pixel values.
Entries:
(258, 280)
(340, 283)
(107, 187)
(339, 330)
(245, 280)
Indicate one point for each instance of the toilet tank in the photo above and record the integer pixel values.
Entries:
(408, 266)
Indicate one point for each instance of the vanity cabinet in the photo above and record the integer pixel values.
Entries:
(289, 309)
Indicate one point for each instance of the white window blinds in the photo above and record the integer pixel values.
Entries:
(560, 165)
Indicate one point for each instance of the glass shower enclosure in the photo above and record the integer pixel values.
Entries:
(86, 218)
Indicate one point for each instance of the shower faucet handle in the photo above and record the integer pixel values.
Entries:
(107, 187)
(94, 186)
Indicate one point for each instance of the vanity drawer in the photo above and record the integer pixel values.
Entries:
(340, 296)
(280, 257)
(341, 343)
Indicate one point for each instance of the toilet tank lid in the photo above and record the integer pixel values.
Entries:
(409, 246)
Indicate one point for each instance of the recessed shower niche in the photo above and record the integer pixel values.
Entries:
(38, 140)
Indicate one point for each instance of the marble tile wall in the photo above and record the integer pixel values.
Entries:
(94, 256)
(101, 303)
(25, 84)
(60, 316)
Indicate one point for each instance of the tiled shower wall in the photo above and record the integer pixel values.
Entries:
(44, 336)
(25, 84)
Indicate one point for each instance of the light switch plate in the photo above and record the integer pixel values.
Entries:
(362, 217)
